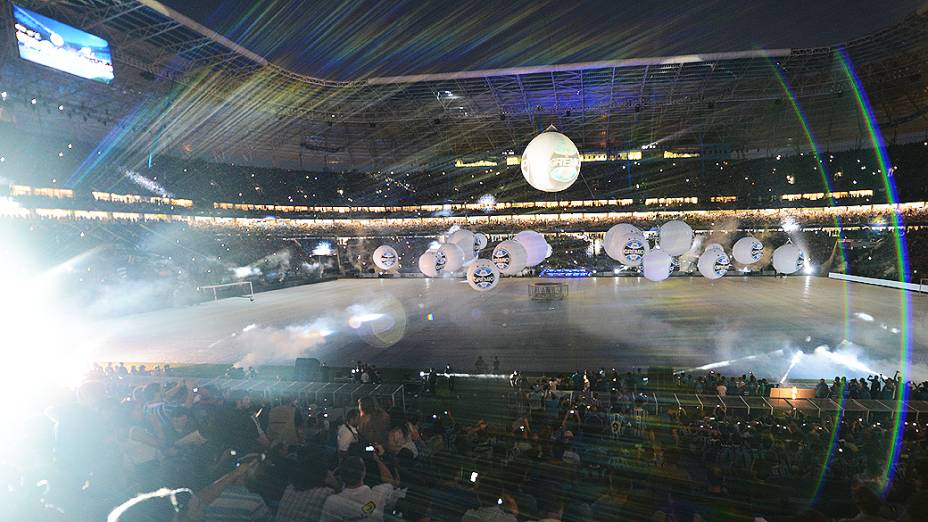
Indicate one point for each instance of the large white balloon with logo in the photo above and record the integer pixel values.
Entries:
(551, 162)
(483, 275)
(535, 246)
(431, 263)
(628, 249)
(788, 258)
(656, 265)
(713, 263)
(613, 239)
(622, 229)
(454, 256)
(676, 238)
(510, 257)
(385, 257)
(747, 250)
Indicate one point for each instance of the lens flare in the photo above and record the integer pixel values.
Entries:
(902, 261)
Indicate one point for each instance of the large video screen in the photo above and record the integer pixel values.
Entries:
(60, 46)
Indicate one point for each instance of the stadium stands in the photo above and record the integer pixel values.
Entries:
(594, 445)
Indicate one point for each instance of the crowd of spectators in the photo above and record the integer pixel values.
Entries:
(713, 383)
(757, 182)
(574, 453)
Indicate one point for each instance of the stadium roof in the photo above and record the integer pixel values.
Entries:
(201, 94)
(355, 39)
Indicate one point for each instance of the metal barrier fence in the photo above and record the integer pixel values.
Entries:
(748, 405)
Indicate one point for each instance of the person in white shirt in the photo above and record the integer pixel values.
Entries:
(358, 502)
(348, 433)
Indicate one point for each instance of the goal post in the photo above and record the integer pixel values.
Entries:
(240, 289)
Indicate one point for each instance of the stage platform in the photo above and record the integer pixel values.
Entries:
(756, 323)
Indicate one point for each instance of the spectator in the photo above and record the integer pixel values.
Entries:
(374, 422)
(400, 436)
(448, 496)
(236, 426)
(358, 501)
(307, 493)
(491, 506)
(348, 437)
(821, 389)
(284, 421)
(235, 500)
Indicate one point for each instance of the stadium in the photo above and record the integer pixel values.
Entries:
(415, 261)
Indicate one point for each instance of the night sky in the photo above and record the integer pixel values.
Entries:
(350, 40)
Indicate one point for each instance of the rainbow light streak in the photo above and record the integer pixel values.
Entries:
(826, 180)
(902, 263)
(101, 153)
(115, 146)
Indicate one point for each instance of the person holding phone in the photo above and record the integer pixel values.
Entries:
(495, 505)
(357, 501)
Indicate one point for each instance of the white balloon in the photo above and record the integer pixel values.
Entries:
(510, 257)
(714, 246)
(431, 263)
(480, 241)
(466, 240)
(788, 258)
(713, 263)
(551, 162)
(483, 275)
(622, 229)
(454, 256)
(535, 246)
(656, 265)
(463, 238)
(747, 250)
(385, 257)
(676, 238)
(628, 249)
